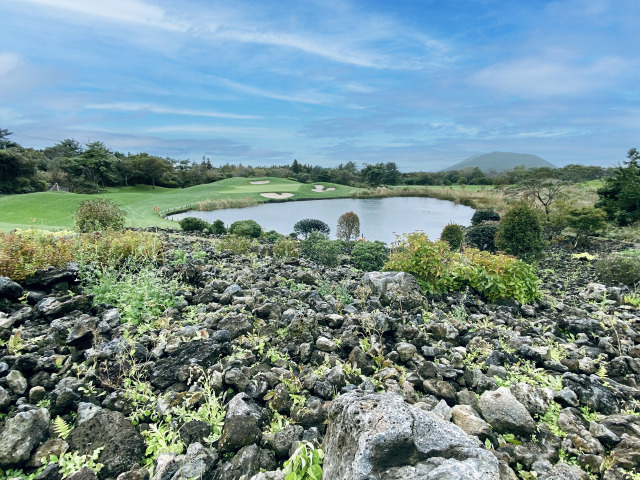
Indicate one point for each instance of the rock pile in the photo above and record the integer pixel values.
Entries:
(391, 383)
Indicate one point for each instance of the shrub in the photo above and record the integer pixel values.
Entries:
(308, 225)
(348, 227)
(236, 244)
(193, 224)
(319, 248)
(369, 256)
(139, 292)
(453, 235)
(246, 228)
(440, 270)
(24, 251)
(218, 228)
(520, 232)
(620, 194)
(99, 214)
(482, 236)
(113, 248)
(484, 216)
(272, 236)
(286, 248)
(620, 267)
(583, 221)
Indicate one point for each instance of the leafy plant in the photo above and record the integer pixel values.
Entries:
(369, 256)
(286, 248)
(218, 228)
(99, 214)
(319, 248)
(161, 438)
(235, 244)
(481, 216)
(71, 462)
(246, 228)
(193, 224)
(305, 463)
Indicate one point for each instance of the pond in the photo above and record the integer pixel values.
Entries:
(380, 218)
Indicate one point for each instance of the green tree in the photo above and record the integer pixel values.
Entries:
(541, 184)
(348, 227)
(620, 194)
(18, 172)
(4, 139)
(308, 225)
(152, 168)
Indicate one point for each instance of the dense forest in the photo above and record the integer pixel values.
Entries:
(93, 167)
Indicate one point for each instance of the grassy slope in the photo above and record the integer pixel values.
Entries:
(54, 210)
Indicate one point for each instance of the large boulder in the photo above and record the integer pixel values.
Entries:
(380, 437)
(10, 289)
(123, 444)
(505, 413)
(398, 289)
(21, 434)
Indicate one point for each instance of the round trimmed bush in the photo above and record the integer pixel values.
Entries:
(193, 224)
(309, 225)
(453, 235)
(218, 228)
(320, 249)
(99, 214)
(481, 216)
(246, 228)
(369, 256)
(520, 232)
(483, 236)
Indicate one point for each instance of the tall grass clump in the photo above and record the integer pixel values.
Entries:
(24, 251)
(114, 248)
(222, 203)
(98, 214)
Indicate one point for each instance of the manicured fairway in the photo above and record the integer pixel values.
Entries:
(54, 210)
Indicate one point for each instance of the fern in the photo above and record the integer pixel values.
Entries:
(62, 428)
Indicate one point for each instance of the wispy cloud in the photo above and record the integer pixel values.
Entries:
(150, 108)
(9, 62)
(125, 11)
(310, 96)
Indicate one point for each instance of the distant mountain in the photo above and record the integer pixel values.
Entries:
(501, 161)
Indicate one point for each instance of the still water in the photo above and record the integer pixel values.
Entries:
(380, 218)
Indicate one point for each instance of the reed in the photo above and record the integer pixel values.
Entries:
(222, 203)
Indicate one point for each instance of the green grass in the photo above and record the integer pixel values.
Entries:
(54, 210)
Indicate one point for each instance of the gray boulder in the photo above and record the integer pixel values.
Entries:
(395, 288)
(21, 434)
(241, 425)
(380, 437)
(10, 289)
(505, 413)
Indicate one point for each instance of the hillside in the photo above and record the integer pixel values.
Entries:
(501, 161)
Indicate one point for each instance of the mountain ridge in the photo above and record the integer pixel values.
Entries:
(501, 161)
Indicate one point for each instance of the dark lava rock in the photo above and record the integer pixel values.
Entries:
(10, 289)
(123, 444)
(591, 393)
(21, 434)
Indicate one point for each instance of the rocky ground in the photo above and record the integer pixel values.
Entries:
(262, 356)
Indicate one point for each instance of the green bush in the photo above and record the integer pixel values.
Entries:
(620, 267)
(99, 214)
(482, 236)
(320, 249)
(440, 270)
(369, 256)
(583, 221)
(308, 225)
(453, 235)
(286, 248)
(246, 228)
(348, 228)
(272, 236)
(193, 224)
(520, 232)
(236, 244)
(484, 216)
(218, 228)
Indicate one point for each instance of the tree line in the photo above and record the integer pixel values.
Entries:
(92, 167)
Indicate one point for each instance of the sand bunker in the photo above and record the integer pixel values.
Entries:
(276, 195)
(320, 189)
(260, 182)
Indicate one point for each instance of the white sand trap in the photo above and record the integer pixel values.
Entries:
(260, 182)
(320, 189)
(276, 195)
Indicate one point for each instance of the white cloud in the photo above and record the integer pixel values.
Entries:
(125, 11)
(545, 76)
(146, 107)
(311, 96)
(9, 63)
(254, 132)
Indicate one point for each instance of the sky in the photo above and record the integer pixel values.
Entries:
(422, 83)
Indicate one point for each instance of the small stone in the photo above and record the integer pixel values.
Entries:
(406, 351)
(36, 394)
(16, 382)
(505, 413)
(326, 345)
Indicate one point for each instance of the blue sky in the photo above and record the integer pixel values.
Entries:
(422, 83)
